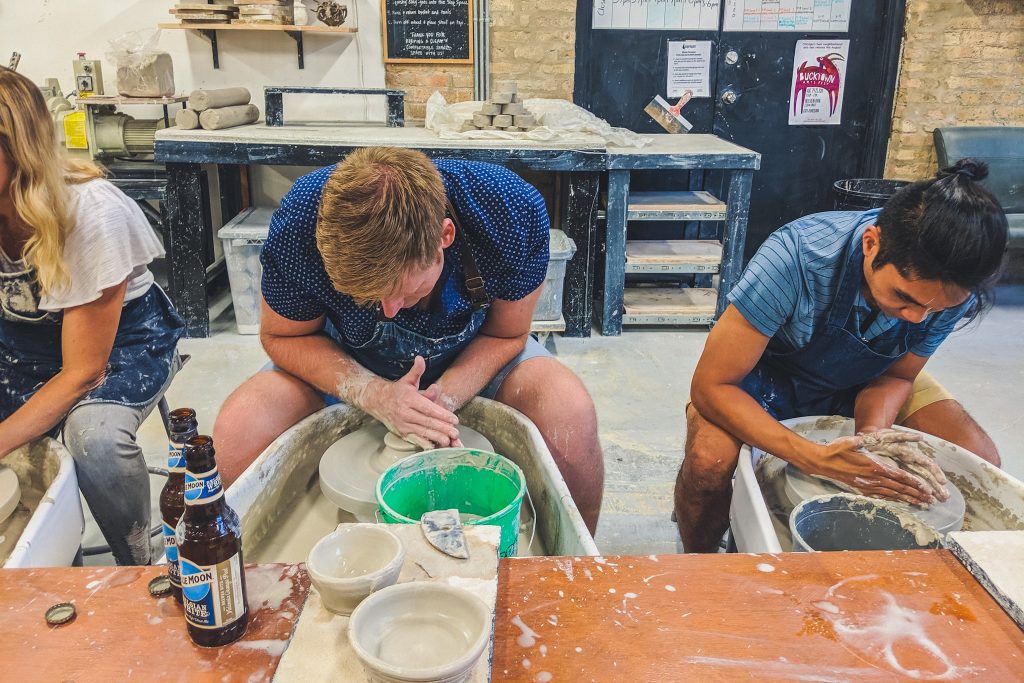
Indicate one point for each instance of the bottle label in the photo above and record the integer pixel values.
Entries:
(212, 594)
(202, 488)
(171, 551)
(175, 457)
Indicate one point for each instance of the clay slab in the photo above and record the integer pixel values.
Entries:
(995, 558)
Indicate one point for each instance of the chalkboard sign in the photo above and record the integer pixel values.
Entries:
(428, 30)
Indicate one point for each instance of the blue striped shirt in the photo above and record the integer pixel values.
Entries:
(788, 287)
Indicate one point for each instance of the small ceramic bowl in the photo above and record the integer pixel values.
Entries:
(348, 564)
(420, 632)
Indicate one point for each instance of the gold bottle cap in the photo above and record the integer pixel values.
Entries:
(160, 585)
(61, 613)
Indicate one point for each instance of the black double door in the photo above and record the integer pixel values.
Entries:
(619, 71)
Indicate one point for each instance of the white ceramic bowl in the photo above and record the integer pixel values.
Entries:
(420, 632)
(348, 564)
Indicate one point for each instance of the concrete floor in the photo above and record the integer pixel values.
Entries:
(640, 382)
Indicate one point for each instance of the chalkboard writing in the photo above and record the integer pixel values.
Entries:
(427, 30)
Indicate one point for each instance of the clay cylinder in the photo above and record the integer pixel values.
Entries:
(481, 120)
(505, 86)
(502, 97)
(513, 108)
(502, 121)
(524, 121)
(201, 100)
(490, 109)
(228, 117)
(186, 119)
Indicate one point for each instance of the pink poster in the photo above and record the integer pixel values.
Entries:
(819, 82)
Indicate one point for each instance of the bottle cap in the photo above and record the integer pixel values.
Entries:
(160, 585)
(61, 613)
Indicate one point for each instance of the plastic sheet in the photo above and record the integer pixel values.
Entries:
(142, 69)
(557, 120)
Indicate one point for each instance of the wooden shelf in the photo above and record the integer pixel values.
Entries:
(674, 206)
(548, 326)
(669, 306)
(217, 26)
(97, 100)
(673, 256)
(209, 29)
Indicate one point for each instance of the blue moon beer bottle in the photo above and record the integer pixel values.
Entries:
(210, 553)
(183, 426)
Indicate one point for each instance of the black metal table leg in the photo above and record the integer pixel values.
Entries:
(735, 235)
(614, 253)
(579, 220)
(186, 246)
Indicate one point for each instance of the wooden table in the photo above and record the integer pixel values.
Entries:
(821, 617)
(854, 616)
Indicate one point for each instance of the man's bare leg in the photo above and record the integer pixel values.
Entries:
(949, 420)
(255, 414)
(704, 484)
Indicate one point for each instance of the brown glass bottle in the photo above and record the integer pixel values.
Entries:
(210, 552)
(183, 426)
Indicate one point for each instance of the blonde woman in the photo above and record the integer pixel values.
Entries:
(87, 340)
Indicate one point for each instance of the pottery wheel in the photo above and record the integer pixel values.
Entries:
(942, 516)
(350, 468)
(10, 492)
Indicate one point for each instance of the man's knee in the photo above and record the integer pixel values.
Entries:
(710, 457)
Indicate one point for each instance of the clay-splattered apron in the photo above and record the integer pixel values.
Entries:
(824, 377)
(30, 346)
(391, 349)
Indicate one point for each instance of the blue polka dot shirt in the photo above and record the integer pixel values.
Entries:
(504, 219)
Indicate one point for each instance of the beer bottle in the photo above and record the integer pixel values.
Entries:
(172, 498)
(210, 552)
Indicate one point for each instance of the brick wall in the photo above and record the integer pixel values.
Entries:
(532, 42)
(963, 65)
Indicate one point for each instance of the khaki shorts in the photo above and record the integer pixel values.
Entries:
(926, 391)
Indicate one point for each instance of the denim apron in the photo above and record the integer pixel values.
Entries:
(30, 346)
(391, 349)
(824, 377)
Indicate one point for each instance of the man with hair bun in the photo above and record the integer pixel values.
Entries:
(837, 314)
(406, 287)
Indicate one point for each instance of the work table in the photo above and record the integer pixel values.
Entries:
(800, 616)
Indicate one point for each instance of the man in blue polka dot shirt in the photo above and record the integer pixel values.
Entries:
(406, 287)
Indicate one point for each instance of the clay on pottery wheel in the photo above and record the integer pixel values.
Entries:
(942, 516)
(350, 468)
(10, 492)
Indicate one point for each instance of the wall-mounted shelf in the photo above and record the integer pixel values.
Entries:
(209, 30)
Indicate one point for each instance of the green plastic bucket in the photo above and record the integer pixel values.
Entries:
(484, 487)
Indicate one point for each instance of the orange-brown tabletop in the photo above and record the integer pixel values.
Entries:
(121, 632)
(792, 617)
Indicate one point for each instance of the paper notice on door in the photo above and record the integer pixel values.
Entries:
(819, 82)
(787, 15)
(689, 67)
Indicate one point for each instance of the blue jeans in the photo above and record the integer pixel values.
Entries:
(112, 472)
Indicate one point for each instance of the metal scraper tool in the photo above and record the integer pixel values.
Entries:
(668, 116)
(443, 530)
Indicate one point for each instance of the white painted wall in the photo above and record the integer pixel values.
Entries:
(49, 33)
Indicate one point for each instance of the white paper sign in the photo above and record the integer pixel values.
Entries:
(689, 67)
(805, 16)
(819, 82)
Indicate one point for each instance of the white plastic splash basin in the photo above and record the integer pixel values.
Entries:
(284, 513)
(759, 513)
(45, 529)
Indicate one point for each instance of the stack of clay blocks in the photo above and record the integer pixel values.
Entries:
(201, 13)
(504, 111)
(265, 12)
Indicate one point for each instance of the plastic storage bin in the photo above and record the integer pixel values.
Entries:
(549, 305)
(243, 237)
